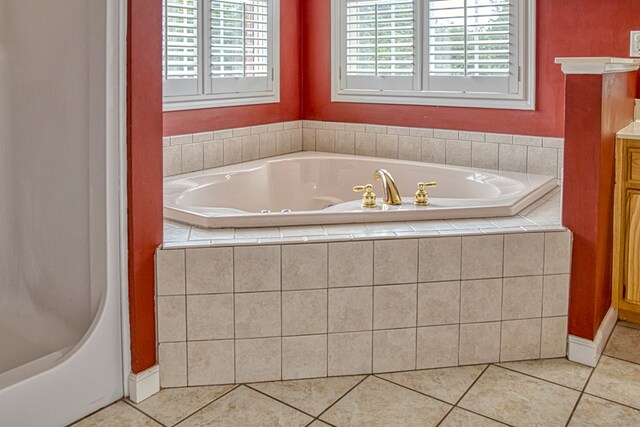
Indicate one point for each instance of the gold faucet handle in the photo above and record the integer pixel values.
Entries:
(422, 197)
(423, 185)
(369, 197)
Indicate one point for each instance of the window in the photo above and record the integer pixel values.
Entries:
(477, 53)
(220, 53)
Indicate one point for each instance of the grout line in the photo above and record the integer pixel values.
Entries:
(132, 405)
(500, 365)
(341, 397)
(232, 389)
(504, 246)
(544, 254)
(415, 323)
(382, 329)
(327, 309)
(372, 331)
(445, 416)
(251, 387)
(281, 315)
(472, 384)
(467, 391)
(235, 340)
(415, 354)
(609, 400)
(591, 375)
(480, 230)
(411, 389)
(575, 406)
(483, 416)
(459, 307)
(627, 325)
(186, 321)
(322, 421)
(616, 357)
(373, 298)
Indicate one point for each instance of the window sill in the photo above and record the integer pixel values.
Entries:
(444, 100)
(199, 103)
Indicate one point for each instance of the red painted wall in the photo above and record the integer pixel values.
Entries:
(588, 189)
(289, 108)
(564, 28)
(144, 180)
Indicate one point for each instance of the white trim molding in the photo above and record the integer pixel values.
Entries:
(587, 352)
(145, 384)
(597, 65)
(122, 13)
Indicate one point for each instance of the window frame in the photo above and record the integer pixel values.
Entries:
(213, 100)
(524, 99)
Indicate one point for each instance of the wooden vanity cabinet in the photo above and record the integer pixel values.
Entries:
(626, 231)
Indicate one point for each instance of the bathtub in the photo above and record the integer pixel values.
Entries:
(317, 188)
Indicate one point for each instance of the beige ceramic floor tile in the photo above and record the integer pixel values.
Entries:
(616, 380)
(172, 405)
(519, 400)
(448, 384)
(461, 418)
(246, 407)
(116, 415)
(624, 344)
(628, 324)
(595, 412)
(559, 371)
(318, 423)
(311, 396)
(376, 402)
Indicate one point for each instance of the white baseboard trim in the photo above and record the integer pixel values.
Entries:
(587, 352)
(145, 384)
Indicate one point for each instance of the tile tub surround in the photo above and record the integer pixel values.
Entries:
(239, 314)
(505, 152)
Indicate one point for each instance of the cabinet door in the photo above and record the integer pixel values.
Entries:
(632, 274)
(634, 167)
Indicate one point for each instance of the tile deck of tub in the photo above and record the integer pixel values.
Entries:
(541, 216)
(554, 392)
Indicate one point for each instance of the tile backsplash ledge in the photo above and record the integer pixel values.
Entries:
(506, 152)
(195, 152)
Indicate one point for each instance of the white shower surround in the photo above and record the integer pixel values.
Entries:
(61, 145)
(316, 188)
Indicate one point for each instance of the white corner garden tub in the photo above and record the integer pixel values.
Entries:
(317, 188)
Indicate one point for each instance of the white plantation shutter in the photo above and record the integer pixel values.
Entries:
(380, 44)
(180, 65)
(478, 53)
(219, 52)
(240, 53)
(472, 45)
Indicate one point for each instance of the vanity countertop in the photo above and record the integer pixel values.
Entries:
(632, 131)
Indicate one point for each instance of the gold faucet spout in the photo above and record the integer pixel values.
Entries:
(391, 193)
